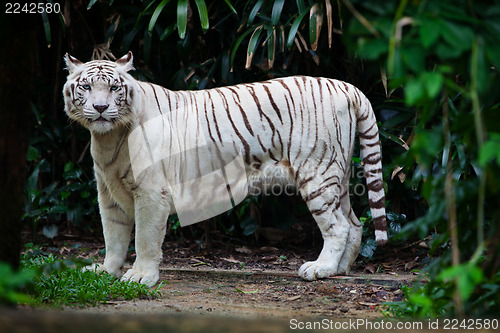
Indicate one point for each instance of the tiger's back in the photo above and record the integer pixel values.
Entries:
(302, 126)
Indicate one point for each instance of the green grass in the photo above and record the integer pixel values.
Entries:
(61, 282)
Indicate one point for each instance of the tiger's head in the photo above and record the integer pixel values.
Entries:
(99, 94)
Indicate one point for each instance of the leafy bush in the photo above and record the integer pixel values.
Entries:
(440, 69)
(72, 199)
(13, 283)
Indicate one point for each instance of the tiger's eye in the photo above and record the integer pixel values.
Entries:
(86, 87)
(114, 88)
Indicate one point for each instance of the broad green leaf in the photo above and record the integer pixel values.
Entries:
(483, 67)
(91, 3)
(32, 153)
(168, 31)
(372, 48)
(368, 248)
(144, 12)
(429, 32)
(271, 46)
(490, 150)
(315, 24)
(203, 12)
(399, 68)
(156, 14)
(468, 282)
(414, 58)
(68, 166)
(493, 51)
(254, 11)
(228, 3)
(252, 45)
(433, 83)
(301, 6)
(237, 45)
(445, 51)
(276, 12)
(467, 276)
(294, 28)
(182, 10)
(457, 35)
(65, 194)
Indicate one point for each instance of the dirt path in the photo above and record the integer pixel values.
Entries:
(227, 289)
(205, 299)
(277, 294)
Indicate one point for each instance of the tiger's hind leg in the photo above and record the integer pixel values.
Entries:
(323, 199)
(355, 229)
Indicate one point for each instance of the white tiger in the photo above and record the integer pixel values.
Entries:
(302, 125)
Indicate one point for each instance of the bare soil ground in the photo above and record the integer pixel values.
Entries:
(237, 285)
(261, 282)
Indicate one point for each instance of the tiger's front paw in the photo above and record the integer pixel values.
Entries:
(98, 268)
(149, 277)
(313, 270)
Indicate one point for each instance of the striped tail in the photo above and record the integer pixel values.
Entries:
(372, 159)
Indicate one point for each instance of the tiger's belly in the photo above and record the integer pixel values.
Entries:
(271, 178)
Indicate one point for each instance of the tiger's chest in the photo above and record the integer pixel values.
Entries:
(112, 169)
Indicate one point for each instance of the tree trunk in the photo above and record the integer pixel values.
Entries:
(17, 61)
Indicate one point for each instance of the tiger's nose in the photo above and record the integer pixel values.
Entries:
(100, 108)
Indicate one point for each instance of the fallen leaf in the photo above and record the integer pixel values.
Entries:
(396, 171)
(410, 265)
(243, 249)
(231, 260)
(367, 303)
(268, 249)
(423, 245)
(200, 264)
(370, 268)
(246, 292)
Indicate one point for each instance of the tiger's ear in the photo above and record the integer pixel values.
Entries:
(72, 63)
(126, 62)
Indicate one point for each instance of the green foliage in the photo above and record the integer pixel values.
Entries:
(434, 297)
(440, 58)
(57, 190)
(430, 69)
(73, 199)
(61, 282)
(13, 283)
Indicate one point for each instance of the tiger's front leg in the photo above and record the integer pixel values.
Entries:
(117, 226)
(151, 214)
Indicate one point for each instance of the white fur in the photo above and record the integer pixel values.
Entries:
(145, 198)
